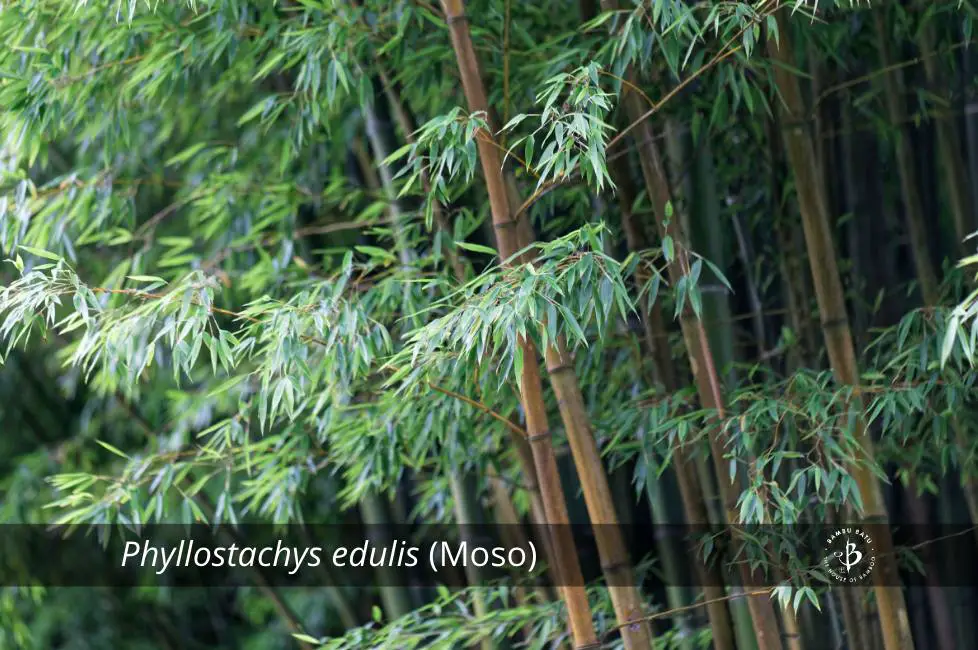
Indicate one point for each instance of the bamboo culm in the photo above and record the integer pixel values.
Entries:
(512, 235)
(531, 385)
(894, 620)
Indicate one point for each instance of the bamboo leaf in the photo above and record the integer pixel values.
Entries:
(39, 252)
(114, 450)
(476, 248)
(950, 335)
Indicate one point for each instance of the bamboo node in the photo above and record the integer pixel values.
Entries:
(536, 437)
(835, 322)
(500, 225)
(458, 18)
(562, 367)
(614, 567)
(594, 645)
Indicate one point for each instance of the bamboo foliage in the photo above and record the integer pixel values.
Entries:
(330, 250)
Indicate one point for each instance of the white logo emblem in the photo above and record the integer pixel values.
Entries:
(849, 555)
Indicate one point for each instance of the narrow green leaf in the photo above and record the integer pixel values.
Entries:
(114, 450)
(39, 252)
(146, 278)
(185, 154)
(477, 248)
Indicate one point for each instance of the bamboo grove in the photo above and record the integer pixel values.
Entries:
(528, 268)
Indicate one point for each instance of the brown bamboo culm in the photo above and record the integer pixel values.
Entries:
(835, 324)
(791, 262)
(531, 385)
(510, 237)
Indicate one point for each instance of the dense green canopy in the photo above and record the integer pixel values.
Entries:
(515, 264)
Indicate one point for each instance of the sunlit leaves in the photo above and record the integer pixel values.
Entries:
(569, 287)
(961, 334)
(445, 148)
(572, 133)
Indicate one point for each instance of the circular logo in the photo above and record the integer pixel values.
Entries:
(849, 555)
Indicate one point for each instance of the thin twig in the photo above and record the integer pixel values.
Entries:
(676, 610)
